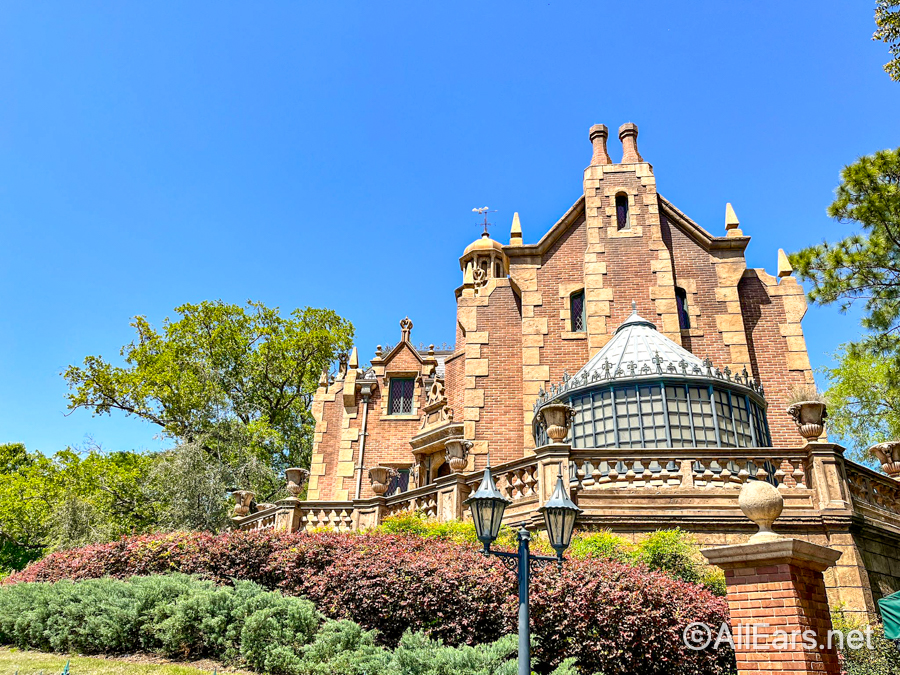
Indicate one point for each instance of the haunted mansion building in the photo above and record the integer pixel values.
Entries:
(677, 362)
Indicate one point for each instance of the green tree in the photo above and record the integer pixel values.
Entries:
(863, 399)
(864, 267)
(887, 18)
(68, 499)
(235, 380)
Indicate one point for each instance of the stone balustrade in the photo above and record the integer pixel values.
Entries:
(663, 487)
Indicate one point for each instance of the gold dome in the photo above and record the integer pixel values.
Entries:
(483, 244)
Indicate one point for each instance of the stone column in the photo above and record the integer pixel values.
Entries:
(780, 617)
(776, 591)
(452, 491)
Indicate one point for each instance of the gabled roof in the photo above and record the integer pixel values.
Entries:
(575, 212)
(674, 215)
(697, 233)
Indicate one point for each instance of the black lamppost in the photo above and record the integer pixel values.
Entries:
(488, 505)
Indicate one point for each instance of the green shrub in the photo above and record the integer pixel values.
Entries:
(677, 553)
(882, 659)
(173, 615)
(457, 531)
(602, 544)
(180, 616)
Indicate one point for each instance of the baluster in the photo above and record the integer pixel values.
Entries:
(799, 475)
(614, 472)
(761, 473)
(601, 467)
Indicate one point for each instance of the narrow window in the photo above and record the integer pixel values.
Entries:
(498, 272)
(681, 301)
(401, 398)
(622, 220)
(577, 309)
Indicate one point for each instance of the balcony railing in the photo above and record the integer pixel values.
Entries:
(640, 486)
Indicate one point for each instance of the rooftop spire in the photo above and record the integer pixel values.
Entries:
(515, 232)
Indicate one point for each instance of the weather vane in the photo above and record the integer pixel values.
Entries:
(484, 210)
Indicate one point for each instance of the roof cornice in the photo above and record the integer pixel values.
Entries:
(697, 233)
(553, 234)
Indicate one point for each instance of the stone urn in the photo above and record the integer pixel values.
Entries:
(242, 501)
(809, 416)
(762, 503)
(380, 476)
(457, 454)
(296, 479)
(556, 418)
(888, 454)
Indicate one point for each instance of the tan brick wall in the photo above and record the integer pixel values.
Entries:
(772, 314)
(494, 398)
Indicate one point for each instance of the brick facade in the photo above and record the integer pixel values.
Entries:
(514, 330)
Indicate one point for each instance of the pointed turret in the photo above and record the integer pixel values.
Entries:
(732, 224)
(784, 265)
(515, 232)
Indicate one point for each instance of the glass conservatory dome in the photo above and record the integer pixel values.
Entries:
(643, 391)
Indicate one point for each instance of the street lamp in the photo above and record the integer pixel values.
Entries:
(488, 505)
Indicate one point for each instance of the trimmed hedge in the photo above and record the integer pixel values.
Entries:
(180, 616)
(612, 616)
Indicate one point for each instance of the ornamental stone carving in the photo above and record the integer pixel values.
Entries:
(380, 476)
(762, 503)
(243, 499)
(457, 453)
(296, 479)
(888, 454)
(556, 418)
(809, 416)
(406, 327)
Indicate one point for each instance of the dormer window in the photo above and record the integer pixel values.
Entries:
(401, 397)
(684, 321)
(576, 306)
(623, 222)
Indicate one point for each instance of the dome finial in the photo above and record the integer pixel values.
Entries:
(633, 307)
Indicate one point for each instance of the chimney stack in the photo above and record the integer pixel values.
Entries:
(598, 135)
(628, 135)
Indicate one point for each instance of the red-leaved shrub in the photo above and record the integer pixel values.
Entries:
(613, 617)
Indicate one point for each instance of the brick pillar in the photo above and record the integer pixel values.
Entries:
(779, 583)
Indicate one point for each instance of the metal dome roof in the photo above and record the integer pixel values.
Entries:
(639, 352)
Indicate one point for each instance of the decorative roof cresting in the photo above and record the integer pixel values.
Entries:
(638, 351)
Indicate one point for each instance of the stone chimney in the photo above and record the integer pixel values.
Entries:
(628, 133)
(598, 135)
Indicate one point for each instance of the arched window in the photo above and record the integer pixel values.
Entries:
(623, 222)
(485, 265)
(498, 270)
(681, 300)
(576, 306)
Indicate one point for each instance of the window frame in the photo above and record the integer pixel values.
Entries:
(582, 315)
(681, 304)
(626, 205)
(394, 381)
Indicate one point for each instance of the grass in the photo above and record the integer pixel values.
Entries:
(32, 663)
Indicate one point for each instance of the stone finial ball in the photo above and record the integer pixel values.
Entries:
(762, 503)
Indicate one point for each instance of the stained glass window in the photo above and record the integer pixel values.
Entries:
(401, 398)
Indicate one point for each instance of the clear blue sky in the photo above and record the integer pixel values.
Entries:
(330, 153)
